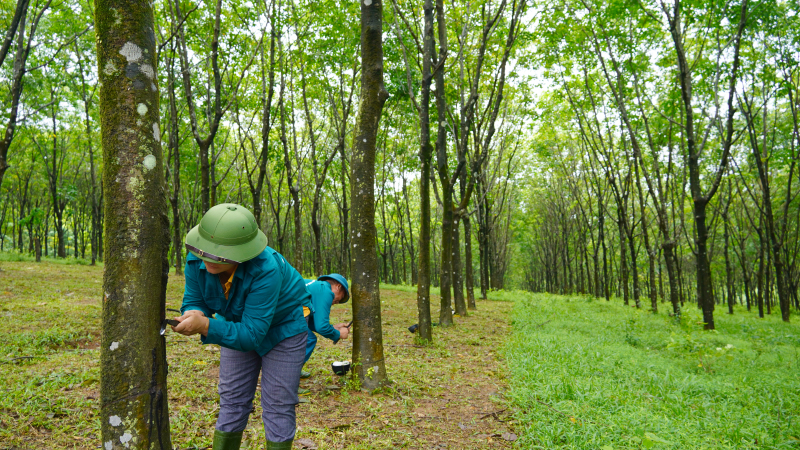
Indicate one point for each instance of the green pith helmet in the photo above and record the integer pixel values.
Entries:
(227, 233)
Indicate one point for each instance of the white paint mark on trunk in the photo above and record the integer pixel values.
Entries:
(125, 438)
(114, 346)
(149, 162)
(147, 69)
(109, 69)
(131, 52)
(141, 108)
(114, 420)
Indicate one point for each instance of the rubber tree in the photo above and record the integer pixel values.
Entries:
(133, 365)
(695, 146)
(15, 36)
(425, 329)
(367, 334)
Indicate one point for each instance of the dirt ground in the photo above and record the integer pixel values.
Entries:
(445, 395)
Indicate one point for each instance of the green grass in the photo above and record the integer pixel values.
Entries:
(591, 374)
(496, 295)
(14, 256)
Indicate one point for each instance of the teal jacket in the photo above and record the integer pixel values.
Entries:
(263, 305)
(322, 300)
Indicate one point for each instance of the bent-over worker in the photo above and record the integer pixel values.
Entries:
(255, 297)
(326, 291)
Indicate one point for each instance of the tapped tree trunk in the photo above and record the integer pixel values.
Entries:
(173, 147)
(458, 281)
(695, 149)
(469, 278)
(367, 334)
(424, 332)
(133, 364)
(446, 270)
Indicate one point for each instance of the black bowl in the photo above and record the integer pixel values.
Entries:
(340, 367)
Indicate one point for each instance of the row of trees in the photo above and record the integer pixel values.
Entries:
(664, 141)
(670, 153)
(258, 103)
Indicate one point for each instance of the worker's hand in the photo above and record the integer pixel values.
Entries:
(343, 331)
(191, 323)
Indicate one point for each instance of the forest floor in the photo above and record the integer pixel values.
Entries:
(532, 371)
(451, 394)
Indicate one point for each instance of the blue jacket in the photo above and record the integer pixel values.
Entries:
(263, 305)
(322, 300)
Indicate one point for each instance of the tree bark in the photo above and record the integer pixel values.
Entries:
(267, 92)
(86, 97)
(695, 149)
(425, 332)
(173, 146)
(446, 269)
(469, 277)
(367, 335)
(203, 143)
(133, 365)
(23, 49)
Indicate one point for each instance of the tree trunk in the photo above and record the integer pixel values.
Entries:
(469, 276)
(695, 149)
(651, 255)
(90, 147)
(267, 92)
(173, 146)
(367, 335)
(728, 267)
(424, 332)
(21, 53)
(623, 259)
(204, 144)
(446, 269)
(762, 160)
(483, 240)
(293, 185)
(458, 280)
(133, 364)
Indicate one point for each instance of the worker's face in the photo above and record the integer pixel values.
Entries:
(338, 291)
(216, 268)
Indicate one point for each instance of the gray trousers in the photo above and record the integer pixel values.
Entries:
(280, 378)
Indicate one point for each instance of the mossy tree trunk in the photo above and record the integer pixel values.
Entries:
(367, 333)
(695, 148)
(133, 397)
(442, 168)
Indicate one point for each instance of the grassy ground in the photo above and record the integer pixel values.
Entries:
(574, 373)
(588, 374)
(451, 394)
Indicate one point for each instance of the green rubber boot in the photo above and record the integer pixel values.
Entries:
(228, 440)
(286, 445)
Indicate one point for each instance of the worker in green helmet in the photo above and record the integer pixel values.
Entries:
(243, 296)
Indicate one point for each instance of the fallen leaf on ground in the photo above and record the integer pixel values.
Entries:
(509, 436)
(306, 443)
